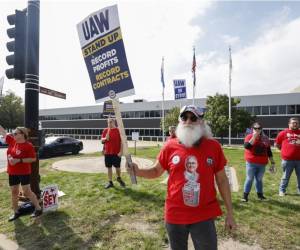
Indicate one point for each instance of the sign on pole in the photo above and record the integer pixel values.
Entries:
(135, 136)
(179, 89)
(104, 54)
(108, 109)
(52, 92)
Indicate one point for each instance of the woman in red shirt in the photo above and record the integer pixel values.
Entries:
(257, 153)
(20, 155)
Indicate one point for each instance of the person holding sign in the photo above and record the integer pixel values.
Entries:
(112, 151)
(194, 161)
(20, 155)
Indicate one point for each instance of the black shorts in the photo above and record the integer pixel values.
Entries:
(112, 160)
(17, 179)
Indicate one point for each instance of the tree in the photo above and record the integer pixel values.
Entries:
(171, 118)
(218, 117)
(11, 111)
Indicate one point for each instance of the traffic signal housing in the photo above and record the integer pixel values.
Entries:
(17, 46)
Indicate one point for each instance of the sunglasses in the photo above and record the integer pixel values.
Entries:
(257, 128)
(185, 117)
(17, 133)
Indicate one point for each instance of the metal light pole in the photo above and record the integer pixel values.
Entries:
(32, 85)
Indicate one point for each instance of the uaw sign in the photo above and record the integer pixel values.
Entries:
(50, 198)
(108, 109)
(104, 54)
(179, 89)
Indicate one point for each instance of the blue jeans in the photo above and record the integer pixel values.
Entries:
(288, 167)
(254, 171)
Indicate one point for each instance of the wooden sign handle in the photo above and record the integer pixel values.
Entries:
(116, 106)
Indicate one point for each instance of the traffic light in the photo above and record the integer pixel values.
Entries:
(17, 46)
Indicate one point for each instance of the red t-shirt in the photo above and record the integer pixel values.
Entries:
(289, 140)
(113, 146)
(258, 153)
(19, 151)
(191, 194)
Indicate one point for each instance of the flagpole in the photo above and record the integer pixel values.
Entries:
(194, 74)
(229, 105)
(163, 100)
(1, 87)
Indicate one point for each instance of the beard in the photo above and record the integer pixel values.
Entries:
(189, 134)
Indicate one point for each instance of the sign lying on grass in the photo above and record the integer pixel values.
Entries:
(50, 198)
(104, 54)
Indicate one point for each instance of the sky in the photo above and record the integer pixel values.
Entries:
(263, 37)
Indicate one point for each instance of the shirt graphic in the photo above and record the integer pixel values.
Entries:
(191, 189)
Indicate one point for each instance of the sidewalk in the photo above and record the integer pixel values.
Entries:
(94, 164)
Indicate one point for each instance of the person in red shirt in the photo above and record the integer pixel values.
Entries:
(288, 141)
(257, 152)
(172, 133)
(112, 151)
(194, 161)
(20, 155)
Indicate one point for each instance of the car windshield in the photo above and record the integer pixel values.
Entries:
(49, 140)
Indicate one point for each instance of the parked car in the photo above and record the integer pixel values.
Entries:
(2, 142)
(59, 146)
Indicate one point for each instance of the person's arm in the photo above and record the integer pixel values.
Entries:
(121, 148)
(104, 136)
(278, 141)
(224, 189)
(150, 173)
(3, 131)
(14, 161)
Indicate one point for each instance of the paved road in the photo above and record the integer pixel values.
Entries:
(89, 146)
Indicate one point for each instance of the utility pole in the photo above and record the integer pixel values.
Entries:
(32, 86)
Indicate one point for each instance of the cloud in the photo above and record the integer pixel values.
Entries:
(269, 65)
(230, 40)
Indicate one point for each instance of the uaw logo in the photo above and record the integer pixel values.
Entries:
(209, 161)
(176, 159)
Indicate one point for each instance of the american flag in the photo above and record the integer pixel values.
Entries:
(194, 68)
(162, 73)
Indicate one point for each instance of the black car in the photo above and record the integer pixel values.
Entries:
(60, 145)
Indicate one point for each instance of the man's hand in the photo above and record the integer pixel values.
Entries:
(133, 167)
(120, 154)
(13, 161)
(230, 224)
(2, 131)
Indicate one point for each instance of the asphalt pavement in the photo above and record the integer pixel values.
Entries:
(89, 146)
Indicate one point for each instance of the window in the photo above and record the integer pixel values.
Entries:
(273, 110)
(249, 109)
(265, 110)
(291, 109)
(297, 109)
(282, 109)
(256, 110)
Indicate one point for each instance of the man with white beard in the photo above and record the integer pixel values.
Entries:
(194, 161)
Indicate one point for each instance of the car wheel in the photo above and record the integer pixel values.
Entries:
(75, 151)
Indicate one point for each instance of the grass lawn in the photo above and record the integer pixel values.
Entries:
(91, 217)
